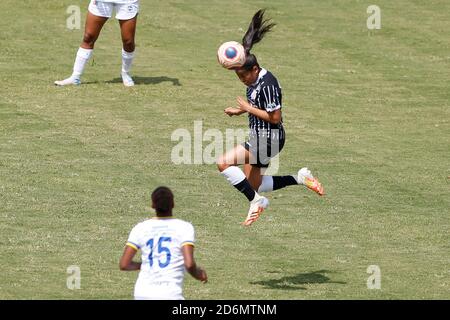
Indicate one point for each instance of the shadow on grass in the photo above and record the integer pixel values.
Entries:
(148, 80)
(295, 282)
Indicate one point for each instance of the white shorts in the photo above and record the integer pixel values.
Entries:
(124, 11)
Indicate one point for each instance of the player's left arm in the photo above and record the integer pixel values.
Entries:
(273, 117)
(190, 264)
(126, 262)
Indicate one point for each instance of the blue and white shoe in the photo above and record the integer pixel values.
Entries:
(69, 81)
(127, 80)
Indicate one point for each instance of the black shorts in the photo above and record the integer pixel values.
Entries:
(264, 145)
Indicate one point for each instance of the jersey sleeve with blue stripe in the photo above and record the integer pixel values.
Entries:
(134, 239)
(188, 236)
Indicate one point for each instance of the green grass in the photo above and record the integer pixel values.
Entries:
(367, 111)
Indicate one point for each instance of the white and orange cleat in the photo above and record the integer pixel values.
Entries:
(257, 206)
(306, 178)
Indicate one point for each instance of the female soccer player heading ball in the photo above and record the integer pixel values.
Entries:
(266, 136)
(99, 12)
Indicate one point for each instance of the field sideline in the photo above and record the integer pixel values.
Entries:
(367, 111)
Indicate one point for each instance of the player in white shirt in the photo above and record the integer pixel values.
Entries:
(167, 248)
(98, 13)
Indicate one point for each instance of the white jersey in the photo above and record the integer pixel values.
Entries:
(162, 271)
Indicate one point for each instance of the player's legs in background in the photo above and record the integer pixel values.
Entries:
(227, 165)
(128, 31)
(94, 25)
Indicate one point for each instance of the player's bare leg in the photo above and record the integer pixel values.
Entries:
(128, 32)
(253, 175)
(234, 157)
(93, 26)
(92, 29)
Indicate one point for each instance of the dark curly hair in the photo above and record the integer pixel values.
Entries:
(163, 200)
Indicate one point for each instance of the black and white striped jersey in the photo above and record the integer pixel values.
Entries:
(264, 94)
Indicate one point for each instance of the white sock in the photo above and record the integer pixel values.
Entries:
(83, 56)
(266, 184)
(127, 60)
(234, 175)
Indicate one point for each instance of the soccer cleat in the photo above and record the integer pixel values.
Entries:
(127, 80)
(69, 81)
(306, 178)
(257, 206)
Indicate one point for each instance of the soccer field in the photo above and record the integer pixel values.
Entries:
(368, 111)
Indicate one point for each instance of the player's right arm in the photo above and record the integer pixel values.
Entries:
(133, 245)
(190, 265)
(126, 262)
(233, 111)
(269, 115)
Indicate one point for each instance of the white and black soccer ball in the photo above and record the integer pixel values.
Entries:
(231, 55)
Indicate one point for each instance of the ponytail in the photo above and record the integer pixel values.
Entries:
(255, 33)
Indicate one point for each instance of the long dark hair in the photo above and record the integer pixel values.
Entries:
(255, 33)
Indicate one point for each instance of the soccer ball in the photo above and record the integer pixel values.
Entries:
(231, 55)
